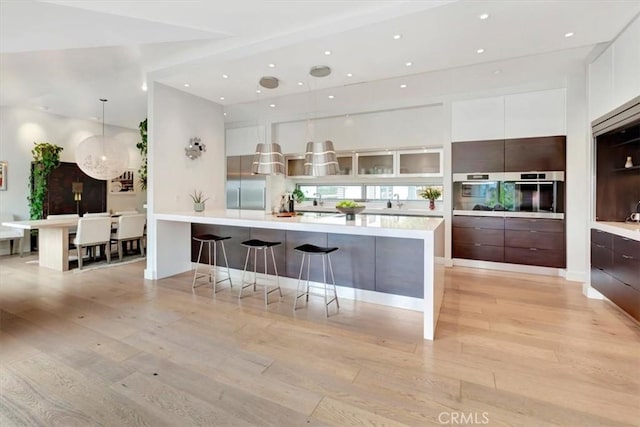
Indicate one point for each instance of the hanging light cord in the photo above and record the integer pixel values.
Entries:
(103, 100)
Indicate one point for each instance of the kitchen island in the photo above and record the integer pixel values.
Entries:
(391, 260)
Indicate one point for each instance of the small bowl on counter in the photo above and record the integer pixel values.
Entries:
(351, 212)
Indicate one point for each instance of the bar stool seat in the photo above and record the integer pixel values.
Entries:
(260, 245)
(311, 250)
(212, 274)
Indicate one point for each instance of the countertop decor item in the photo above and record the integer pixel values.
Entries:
(431, 194)
(198, 200)
(298, 195)
(629, 162)
(350, 208)
(102, 157)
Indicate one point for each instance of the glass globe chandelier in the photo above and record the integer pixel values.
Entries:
(102, 157)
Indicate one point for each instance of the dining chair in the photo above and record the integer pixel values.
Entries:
(95, 214)
(92, 232)
(130, 228)
(131, 212)
(11, 234)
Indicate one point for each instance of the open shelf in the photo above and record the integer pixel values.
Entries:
(627, 169)
(631, 141)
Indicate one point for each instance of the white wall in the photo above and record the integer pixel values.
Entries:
(174, 118)
(20, 128)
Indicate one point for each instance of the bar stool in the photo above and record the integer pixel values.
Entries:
(310, 250)
(211, 239)
(260, 245)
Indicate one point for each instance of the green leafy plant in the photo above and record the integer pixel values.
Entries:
(430, 193)
(197, 197)
(142, 147)
(46, 157)
(298, 195)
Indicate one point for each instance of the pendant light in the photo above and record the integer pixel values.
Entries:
(320, 157)
(268, 159)
(102, 157)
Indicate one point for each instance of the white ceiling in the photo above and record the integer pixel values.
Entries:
(63, 56)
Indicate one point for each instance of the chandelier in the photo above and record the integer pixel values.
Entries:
(102, 157)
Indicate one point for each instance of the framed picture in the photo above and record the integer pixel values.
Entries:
(3, 176)
(124, 184)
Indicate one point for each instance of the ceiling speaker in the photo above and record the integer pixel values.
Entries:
(320, 71)
(269, 82)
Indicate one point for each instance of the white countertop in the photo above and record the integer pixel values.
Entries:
(371, 225)
(403, 211)
(624, 229)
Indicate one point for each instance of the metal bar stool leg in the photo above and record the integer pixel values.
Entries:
(333, 280)
(209, 247)
(298, 295)
(246, 262)
(226, 262)
(275, 268)
(324, 280)
(195, 273)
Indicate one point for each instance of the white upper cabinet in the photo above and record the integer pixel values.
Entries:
(477, 119)
(242, 141)
(535, 114)
(614, 77)
(626, 65)
(601, 85)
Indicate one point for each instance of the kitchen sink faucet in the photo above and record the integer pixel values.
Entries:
(319, 196)
(398, 204)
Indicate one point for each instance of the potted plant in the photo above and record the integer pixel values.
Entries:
(46, 157)
(142, 147)
(198, 201)
(431, 194)
(298, 195)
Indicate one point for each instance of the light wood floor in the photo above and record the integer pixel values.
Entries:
(105, 347)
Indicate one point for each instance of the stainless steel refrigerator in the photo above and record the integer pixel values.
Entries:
(244, 190)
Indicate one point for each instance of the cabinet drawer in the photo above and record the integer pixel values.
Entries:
(483, 236)
(628, 247)
(602, 238)
(533, 256)
(534, 239)
(478, 222)
(617, 292)
(601, 257)
(536, 224)
(479, 252)
(626, 269)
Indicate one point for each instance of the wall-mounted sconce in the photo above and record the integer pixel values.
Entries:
(195, 149)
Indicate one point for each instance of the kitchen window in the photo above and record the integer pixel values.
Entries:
(364, 192)
(332, 192)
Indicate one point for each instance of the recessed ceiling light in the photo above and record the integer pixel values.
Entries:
(567, 35)
(186, 85)
(225, 76)
(258, 91)
(44, 108)
(272, 105)
(327, 52)
(408, 64)
(484, 16)
(349, 75)
(272, 65)
(224, 114)
(300, 83)
(222, 98)
(144, 87)
(496, 72)
(480, 50)
(397, 36)
(402, 86)
(330, 96)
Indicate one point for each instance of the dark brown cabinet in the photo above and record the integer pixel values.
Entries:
(478, 238)
(533, 241)
(615, 270)
(478, 156)
(534, 154)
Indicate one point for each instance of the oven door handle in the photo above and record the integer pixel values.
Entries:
(534, 182)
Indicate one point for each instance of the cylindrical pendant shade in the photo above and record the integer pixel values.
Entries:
(268, 160)
(102, 157)
(320, 159)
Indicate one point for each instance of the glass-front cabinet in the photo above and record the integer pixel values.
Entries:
(295, 165)
(425, 162)
(345, 164)
(377, 163)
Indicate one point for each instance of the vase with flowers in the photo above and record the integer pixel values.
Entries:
(431, 194)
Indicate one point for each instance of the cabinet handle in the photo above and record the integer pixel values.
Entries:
(477, 228)
(533, 249)
(599, 246)
(625, 239)
(627, 256)
(477, 244)
(533, 231)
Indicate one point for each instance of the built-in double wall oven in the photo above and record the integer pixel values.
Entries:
(540, 194)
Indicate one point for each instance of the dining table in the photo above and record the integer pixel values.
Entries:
(53, 239)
